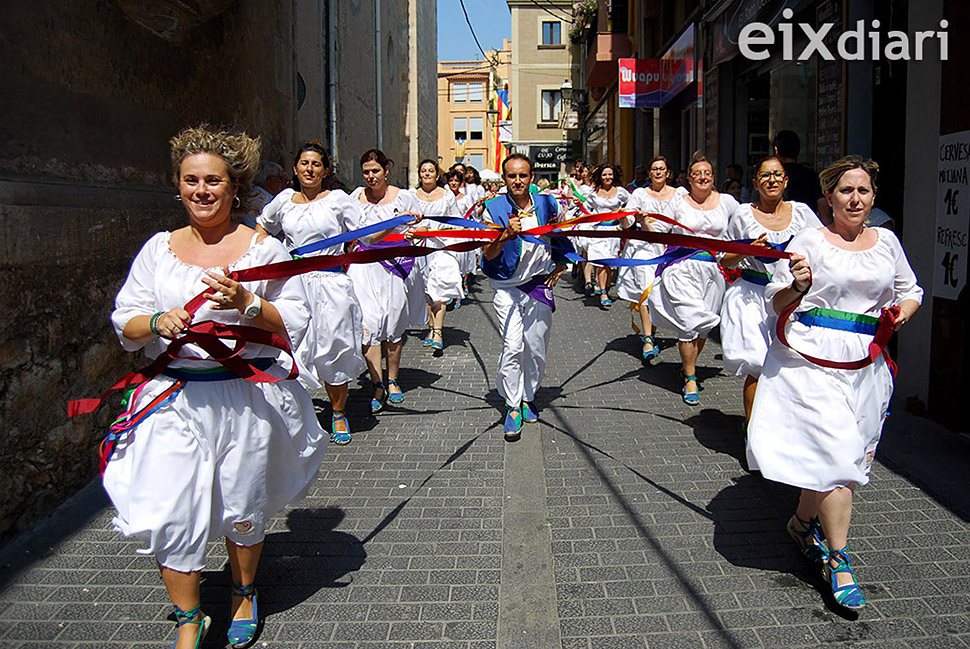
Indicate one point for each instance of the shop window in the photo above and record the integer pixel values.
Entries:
(551, 105)
(551, 33)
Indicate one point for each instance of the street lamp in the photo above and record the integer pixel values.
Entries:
(573, 105)
(567, 91)
(492, 115)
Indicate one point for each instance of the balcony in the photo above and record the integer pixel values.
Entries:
(601, 57)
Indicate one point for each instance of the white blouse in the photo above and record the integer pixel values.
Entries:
(160, 281)
(306, 223)
(744, 225)
(857, 281)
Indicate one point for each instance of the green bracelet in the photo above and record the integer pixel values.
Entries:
(154, 321)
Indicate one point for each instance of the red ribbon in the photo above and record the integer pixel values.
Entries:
(684, 241)
(884, 331)
(209, 336)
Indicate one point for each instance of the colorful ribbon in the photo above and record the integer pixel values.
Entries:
(207, 335)
(881, 331)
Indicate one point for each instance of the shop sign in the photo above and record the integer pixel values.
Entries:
(651, 83)
(640, 83)
(548, 157)
(952, 216)
(678, 66)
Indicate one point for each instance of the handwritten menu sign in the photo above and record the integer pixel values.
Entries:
(830, 112)
(952, 215)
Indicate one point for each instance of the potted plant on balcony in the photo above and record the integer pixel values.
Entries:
(584, 16)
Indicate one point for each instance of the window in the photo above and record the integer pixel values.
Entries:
(475, 128)
(462, 93)
(551, 33)
(476, 92)
(551, 105)
(476, 160)
(469, 128)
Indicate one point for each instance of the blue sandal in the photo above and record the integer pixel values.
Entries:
(437, 345)
(529, 414)
(339, 437)
(394, 397)
(242, 633)
(653, 351)
(691, 398)
(513, 424)
(188, 617)
(376, 405)
(849, 596)
(809, 540)
(428, 339)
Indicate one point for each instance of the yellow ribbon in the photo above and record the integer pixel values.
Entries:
(635, 308)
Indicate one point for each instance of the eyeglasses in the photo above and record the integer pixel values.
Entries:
(777, 174)
(702, 174)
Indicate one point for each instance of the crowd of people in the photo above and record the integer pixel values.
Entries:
(218, 453)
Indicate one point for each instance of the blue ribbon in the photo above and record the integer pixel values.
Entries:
(751, 276)
(814, 320)
(783, 246)
(183, 374)
(352, 235)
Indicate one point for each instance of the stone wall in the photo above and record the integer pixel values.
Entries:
(356, 89)
(90, 99)
(426, 51)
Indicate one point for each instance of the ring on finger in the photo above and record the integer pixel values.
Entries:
(225, 299)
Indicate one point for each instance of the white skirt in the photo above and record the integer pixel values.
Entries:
(331, 348)
(580, 244)
(468, 261)
(390, 305)
(442, 276)
(747, 328)
(632, 281)
(687, 298)
(220, 459)
(813, 427)
(604, 248)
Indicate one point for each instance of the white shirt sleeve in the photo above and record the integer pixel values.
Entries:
(137, 294)
(269, 219)
(904, 284)
(286, 294)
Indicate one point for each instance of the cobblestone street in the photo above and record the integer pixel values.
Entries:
(623, 519)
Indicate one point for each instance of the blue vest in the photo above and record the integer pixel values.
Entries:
(500, 209)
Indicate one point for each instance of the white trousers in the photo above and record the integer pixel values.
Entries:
(525, 325)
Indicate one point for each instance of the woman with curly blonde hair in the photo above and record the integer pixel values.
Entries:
(213, 455)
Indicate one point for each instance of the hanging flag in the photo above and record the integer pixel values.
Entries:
(501, 123)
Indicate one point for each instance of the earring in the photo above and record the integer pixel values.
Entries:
(177, 197)
(236, 202)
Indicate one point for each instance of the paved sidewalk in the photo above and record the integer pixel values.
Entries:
(623, 519)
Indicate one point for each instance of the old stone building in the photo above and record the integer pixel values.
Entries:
(93, 90)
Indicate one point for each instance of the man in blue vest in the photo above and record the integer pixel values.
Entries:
(522, 270)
